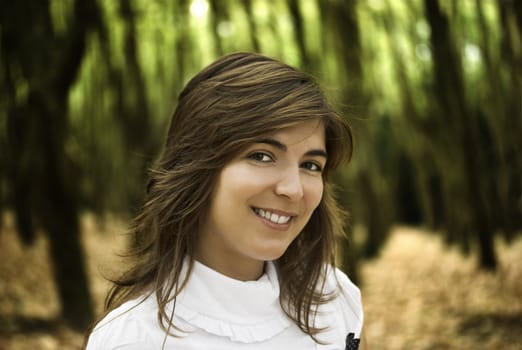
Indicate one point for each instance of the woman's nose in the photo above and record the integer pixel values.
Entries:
(289, 184)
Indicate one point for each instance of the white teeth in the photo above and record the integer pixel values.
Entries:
(276, 219)
(282, 220)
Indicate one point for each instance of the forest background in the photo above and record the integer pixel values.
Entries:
(432, 89)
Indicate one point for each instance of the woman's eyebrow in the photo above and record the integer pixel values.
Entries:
(317, 152)
(273, 142)
(282, 147)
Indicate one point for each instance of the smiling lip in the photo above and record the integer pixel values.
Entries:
(274, 217)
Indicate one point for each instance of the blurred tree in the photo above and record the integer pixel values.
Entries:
(415, 203)
(219, 17)
(371, 187)
(340, 19)
(297, 21)
(40, 65)
(437, 133)
(247, 5)
(451, 102)
(133, 111)
(508, 100)
(184, 48)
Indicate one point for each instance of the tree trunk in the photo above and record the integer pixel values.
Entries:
(57, 208)
(183, 42)
(217, 15)
(48, 63)
(297, 21)
(511, 56)
(341, 28)
(134, 117)
(499, 124)
(449, 92)
(247, 5)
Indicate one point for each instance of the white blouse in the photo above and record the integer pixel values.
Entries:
(218, 312)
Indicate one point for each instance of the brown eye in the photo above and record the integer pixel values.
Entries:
(312, 166)
(260, 157)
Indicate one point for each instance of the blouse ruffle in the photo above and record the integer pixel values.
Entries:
(244, 312)
(245, 333)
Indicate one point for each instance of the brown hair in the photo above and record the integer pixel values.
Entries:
(222, 110)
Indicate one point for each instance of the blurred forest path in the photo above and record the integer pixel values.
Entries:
(418, 294)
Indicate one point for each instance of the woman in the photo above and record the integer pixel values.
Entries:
(236, 237)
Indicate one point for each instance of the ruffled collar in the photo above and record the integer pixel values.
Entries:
(242, 311)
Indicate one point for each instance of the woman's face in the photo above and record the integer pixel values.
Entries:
(262, 200)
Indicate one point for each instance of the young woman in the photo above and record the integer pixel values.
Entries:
(238, 229)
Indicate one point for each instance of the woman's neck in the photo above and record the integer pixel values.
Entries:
(246, 270)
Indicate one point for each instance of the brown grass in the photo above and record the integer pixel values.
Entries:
(422, 295)
(417, 295)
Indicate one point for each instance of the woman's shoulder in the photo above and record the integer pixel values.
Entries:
(339, 283)
(126, 327)
(343, 313)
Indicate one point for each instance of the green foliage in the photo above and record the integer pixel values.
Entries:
(383, 79)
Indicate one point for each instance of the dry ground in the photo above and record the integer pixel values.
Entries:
(417, 295)
(422, 295)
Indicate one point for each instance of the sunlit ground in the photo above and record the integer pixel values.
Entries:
(417, 295)
(422, 295)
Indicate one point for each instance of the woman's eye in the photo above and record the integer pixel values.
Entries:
(312, 166)
(260, 157)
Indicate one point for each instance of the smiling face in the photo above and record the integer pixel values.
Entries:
(262, 200)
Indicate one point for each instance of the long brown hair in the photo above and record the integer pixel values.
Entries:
(222, 110)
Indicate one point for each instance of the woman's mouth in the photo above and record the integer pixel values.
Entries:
(272, 217)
